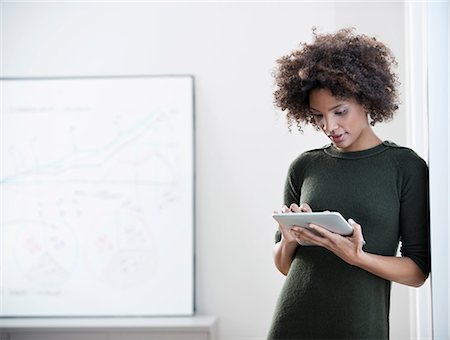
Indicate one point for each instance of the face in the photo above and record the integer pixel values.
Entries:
(345, 122)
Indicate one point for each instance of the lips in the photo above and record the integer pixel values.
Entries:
(337, 138)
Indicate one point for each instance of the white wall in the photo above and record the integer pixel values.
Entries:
(243, 147)
(439, 146)
(417, 122)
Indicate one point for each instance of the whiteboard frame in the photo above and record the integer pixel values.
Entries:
(193, 199)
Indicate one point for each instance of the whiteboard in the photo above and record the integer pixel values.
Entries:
(97, 196)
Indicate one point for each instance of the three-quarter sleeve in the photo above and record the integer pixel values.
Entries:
(414, 213)
(291, 189)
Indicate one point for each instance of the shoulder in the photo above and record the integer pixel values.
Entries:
(305, 158)
(410, 166)
(404, 156)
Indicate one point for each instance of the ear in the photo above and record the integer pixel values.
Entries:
(369, 117)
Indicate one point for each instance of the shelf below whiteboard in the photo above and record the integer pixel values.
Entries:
(180, 324)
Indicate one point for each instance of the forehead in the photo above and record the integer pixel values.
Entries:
(322, 99)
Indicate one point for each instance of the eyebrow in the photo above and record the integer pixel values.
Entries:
(331, 109)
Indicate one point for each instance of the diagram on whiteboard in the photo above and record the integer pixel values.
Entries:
(93, 170)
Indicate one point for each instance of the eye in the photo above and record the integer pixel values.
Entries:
(341, 112)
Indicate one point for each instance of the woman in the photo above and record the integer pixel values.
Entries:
(339, 288)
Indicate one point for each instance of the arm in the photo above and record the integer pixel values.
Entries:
(398, 269)
(283, 251)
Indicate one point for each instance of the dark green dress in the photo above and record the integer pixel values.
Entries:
(385, 190)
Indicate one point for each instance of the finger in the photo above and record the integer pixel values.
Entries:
(357, 231)
(305, 236)
(304, 207)
(285, 209)
(299, 234)
(296, 229)
(294, 208)
(318, 230)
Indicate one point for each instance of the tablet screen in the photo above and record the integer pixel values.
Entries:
(330, 220)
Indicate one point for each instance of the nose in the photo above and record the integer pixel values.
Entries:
(329, 124)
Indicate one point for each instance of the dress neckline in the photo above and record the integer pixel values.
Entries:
(332, 151)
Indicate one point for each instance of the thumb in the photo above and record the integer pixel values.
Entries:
(357, 231)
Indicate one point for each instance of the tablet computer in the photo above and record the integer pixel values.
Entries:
(331, 220)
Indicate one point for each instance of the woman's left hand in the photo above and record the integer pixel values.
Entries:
(348, 248)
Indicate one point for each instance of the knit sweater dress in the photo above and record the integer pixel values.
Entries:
(385, 190)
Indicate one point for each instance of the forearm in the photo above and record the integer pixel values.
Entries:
(398, 269)
(283, 255)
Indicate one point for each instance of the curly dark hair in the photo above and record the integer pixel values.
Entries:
(349, 65)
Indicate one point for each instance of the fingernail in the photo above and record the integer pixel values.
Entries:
(351, 220)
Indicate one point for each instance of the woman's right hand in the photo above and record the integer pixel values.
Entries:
(288, 235)
(284, 251)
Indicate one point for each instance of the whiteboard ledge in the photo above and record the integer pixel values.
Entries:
(193, 323)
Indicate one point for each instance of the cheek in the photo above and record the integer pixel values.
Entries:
(354, 123)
